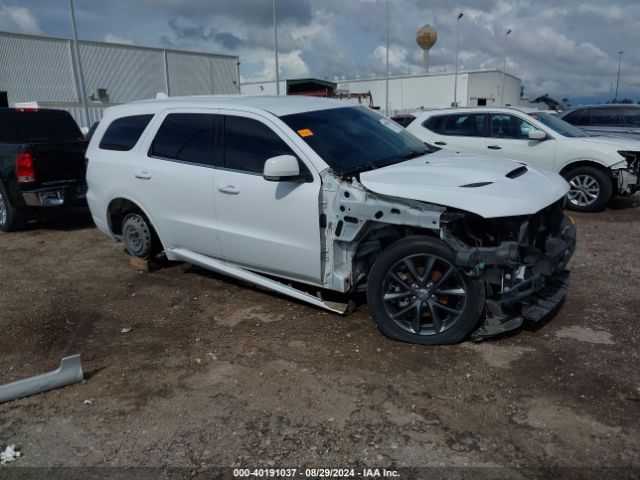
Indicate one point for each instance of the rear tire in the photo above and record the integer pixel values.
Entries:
(138, 236)
(591, 189)
(417, 295)
(11, 218)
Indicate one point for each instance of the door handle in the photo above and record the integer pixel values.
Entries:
(494, 147)
(440, 143)
(143, 175)
(230, 189)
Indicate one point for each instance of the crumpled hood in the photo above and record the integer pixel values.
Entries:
(438, 178)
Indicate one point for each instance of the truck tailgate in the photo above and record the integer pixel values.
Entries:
(58, 163)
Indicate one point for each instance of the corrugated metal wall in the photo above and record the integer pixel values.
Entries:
(191, 74)
(41, 69)
(36, 69)
(127, 73)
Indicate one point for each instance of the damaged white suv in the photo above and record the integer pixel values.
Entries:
(334, 197)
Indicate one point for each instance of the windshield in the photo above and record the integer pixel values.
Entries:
(355, 139)
(558, 125)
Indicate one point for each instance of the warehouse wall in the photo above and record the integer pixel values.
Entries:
(411, 92)
(488, 85)
(41, 69)
(36, 69)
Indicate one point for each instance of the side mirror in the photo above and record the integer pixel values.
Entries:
(283, 167)
(537, 135)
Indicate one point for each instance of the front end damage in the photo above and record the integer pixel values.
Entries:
(626, 174)
(522, 261)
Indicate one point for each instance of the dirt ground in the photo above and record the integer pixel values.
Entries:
(188, 369)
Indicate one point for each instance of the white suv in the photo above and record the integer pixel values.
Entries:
(334, 197)
(597, 168)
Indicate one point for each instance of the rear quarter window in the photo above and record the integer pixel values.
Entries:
(123, 133)
(578, 117)
(189, 137)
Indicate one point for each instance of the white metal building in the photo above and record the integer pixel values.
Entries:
(44, 70)
(412, 92)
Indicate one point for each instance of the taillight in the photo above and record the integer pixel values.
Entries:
(25, 169)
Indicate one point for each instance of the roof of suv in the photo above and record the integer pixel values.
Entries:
(605, 105)
(277, 105)
(440, 111)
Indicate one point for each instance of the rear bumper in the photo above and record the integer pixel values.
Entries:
(69, 196)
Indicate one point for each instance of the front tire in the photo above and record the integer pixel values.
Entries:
(138, 236)
(417, 295)
(11, 218)
(591, 189)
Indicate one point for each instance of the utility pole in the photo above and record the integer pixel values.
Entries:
(455, 78)
(275, 38)
(83, 88)
(387, 77)
(504, 67)
(615, 100)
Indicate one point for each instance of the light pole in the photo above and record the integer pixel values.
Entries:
(615, 100)
(455, 78)
(504, 66)
(387, 77)
(83, 88)
(275, 41)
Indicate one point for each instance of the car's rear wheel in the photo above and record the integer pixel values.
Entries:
(590, 189)
(416, 293)
(11, 218)
(137, 235)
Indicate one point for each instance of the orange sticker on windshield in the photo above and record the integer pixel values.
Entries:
(305, 132)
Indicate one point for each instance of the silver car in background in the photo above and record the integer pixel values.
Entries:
(613, 120)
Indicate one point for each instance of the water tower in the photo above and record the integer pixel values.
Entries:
(426, 38)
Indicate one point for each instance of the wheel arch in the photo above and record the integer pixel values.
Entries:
(121, 206)
(584, 163)
(379, 237)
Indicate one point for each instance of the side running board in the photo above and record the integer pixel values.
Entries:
(257, 279)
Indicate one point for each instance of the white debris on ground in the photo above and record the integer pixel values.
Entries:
(9, 454)
(126, 330)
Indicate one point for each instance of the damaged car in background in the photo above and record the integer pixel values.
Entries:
(303, 195)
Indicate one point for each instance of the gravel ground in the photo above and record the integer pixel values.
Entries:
(188, 369)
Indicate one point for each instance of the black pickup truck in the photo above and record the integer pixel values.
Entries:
(41, 163)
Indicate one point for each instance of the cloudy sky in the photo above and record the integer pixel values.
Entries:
(566, 48)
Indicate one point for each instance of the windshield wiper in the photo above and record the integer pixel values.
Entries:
(361, 168)
(414, 153)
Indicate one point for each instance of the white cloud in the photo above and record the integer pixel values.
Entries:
(113, 38)
(18, 19)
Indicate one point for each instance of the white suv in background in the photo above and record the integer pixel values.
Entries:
(597, 168)
(337, 198)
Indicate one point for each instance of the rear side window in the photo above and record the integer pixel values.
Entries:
(31, 126)
(578, 117)
(465, 125)
(631, 116)
(124, 133)
(249, 143)
(189, 137)
(605, 116)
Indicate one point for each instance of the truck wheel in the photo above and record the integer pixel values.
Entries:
(11, 218)
(591, 189)
(417, 295)
(137, 235)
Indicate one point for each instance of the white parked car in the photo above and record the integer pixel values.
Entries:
(336, 198)
(597, 168)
